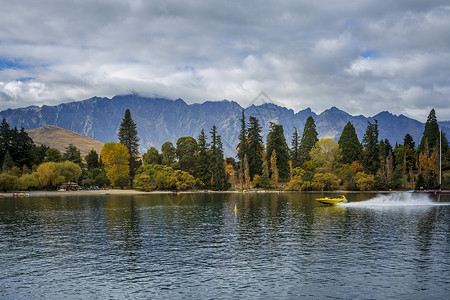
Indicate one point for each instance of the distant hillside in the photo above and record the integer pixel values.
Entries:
(160, 120)
(60, 138)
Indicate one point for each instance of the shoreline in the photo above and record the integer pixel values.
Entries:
(132, 192)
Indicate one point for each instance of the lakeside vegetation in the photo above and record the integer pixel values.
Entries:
(307, 164)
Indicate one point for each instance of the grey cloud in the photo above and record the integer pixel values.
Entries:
(301, 53)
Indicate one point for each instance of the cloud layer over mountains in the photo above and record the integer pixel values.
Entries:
(363, 56)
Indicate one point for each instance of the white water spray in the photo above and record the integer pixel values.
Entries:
(398, 200)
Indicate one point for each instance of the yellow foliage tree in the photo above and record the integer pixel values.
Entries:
(115, 158)
(364, 181)
(274, 168)
(326, 154)
(49, 175)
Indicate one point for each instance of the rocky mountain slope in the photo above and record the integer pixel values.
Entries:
(159, 120)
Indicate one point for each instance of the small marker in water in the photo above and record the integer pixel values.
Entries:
(235, 208)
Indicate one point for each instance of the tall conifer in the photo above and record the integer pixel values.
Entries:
(349, 144)
(276, 141)
(128, 136)
(309, 139)
(255, 147)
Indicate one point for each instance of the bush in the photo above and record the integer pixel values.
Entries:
(9, 182)
(153, 177)
(29, 181)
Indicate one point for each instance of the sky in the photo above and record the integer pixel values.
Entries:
(362, 56)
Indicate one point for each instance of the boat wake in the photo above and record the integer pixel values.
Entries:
(398, 200)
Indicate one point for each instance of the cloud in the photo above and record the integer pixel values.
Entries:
(363, 57)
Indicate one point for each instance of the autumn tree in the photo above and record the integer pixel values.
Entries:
(349, 144)
(128, 136)
(48, 175)
(276, 141)
(309, 140)
(115, 158)
(274, 167)
(326, 154)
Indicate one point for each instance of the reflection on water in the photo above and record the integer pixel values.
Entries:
(197, 246)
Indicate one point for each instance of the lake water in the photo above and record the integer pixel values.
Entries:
(194, 246)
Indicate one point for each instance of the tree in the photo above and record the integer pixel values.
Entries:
(326, 154)
(152, 157)
(168, 153)
(92, 160)
(8, 162)
(48, 175)
(255, 147)
(408, 141)
(219, 180)
(186, 152)
(371, 155)
(430, 133)
(349, 144)
(72, 154)
(242, 146)
(21, 148)
(53, 155)
(128, 136)
(309, 140)
(276, 141)
(5, 139)
(115, 158)
(295, 153)
(274, 167)
(203, 166)
(69, 170)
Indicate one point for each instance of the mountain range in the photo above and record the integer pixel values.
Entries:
(160, 120)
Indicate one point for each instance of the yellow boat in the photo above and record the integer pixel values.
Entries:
(332, 201)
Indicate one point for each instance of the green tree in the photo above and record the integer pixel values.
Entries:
(309, 140)
(255, 147)
(8, 162)
(203, 166)
(408, 141)
(219, 180)
(69, 170)
(5, 139)
(53, 155)
(152, 157)
(48, 175)
(186, 152)
(295, 153)
(430, 133)
(276, 141)
(21, 148)
(242, 146)
(92, 160)
(168, 153)
(128, 136)
(371, 151)
(72, 154)
(349, 144)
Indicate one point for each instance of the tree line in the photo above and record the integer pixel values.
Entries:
(309, 163)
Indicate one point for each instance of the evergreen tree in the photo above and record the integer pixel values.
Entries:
(5, 139)
(242, 146)
(295, 153)
(408, 141)
(72, 154)
(309, 139)
(92, 160)
(430, 133)
(128, 136)
(203, 165)
(371, 151)
(276, 141)
(21, 148)
(349, 144)
(255, 147)
(8, 162)
(219, 180)
(52, 155)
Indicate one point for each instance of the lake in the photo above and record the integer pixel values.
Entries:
(195, 246)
